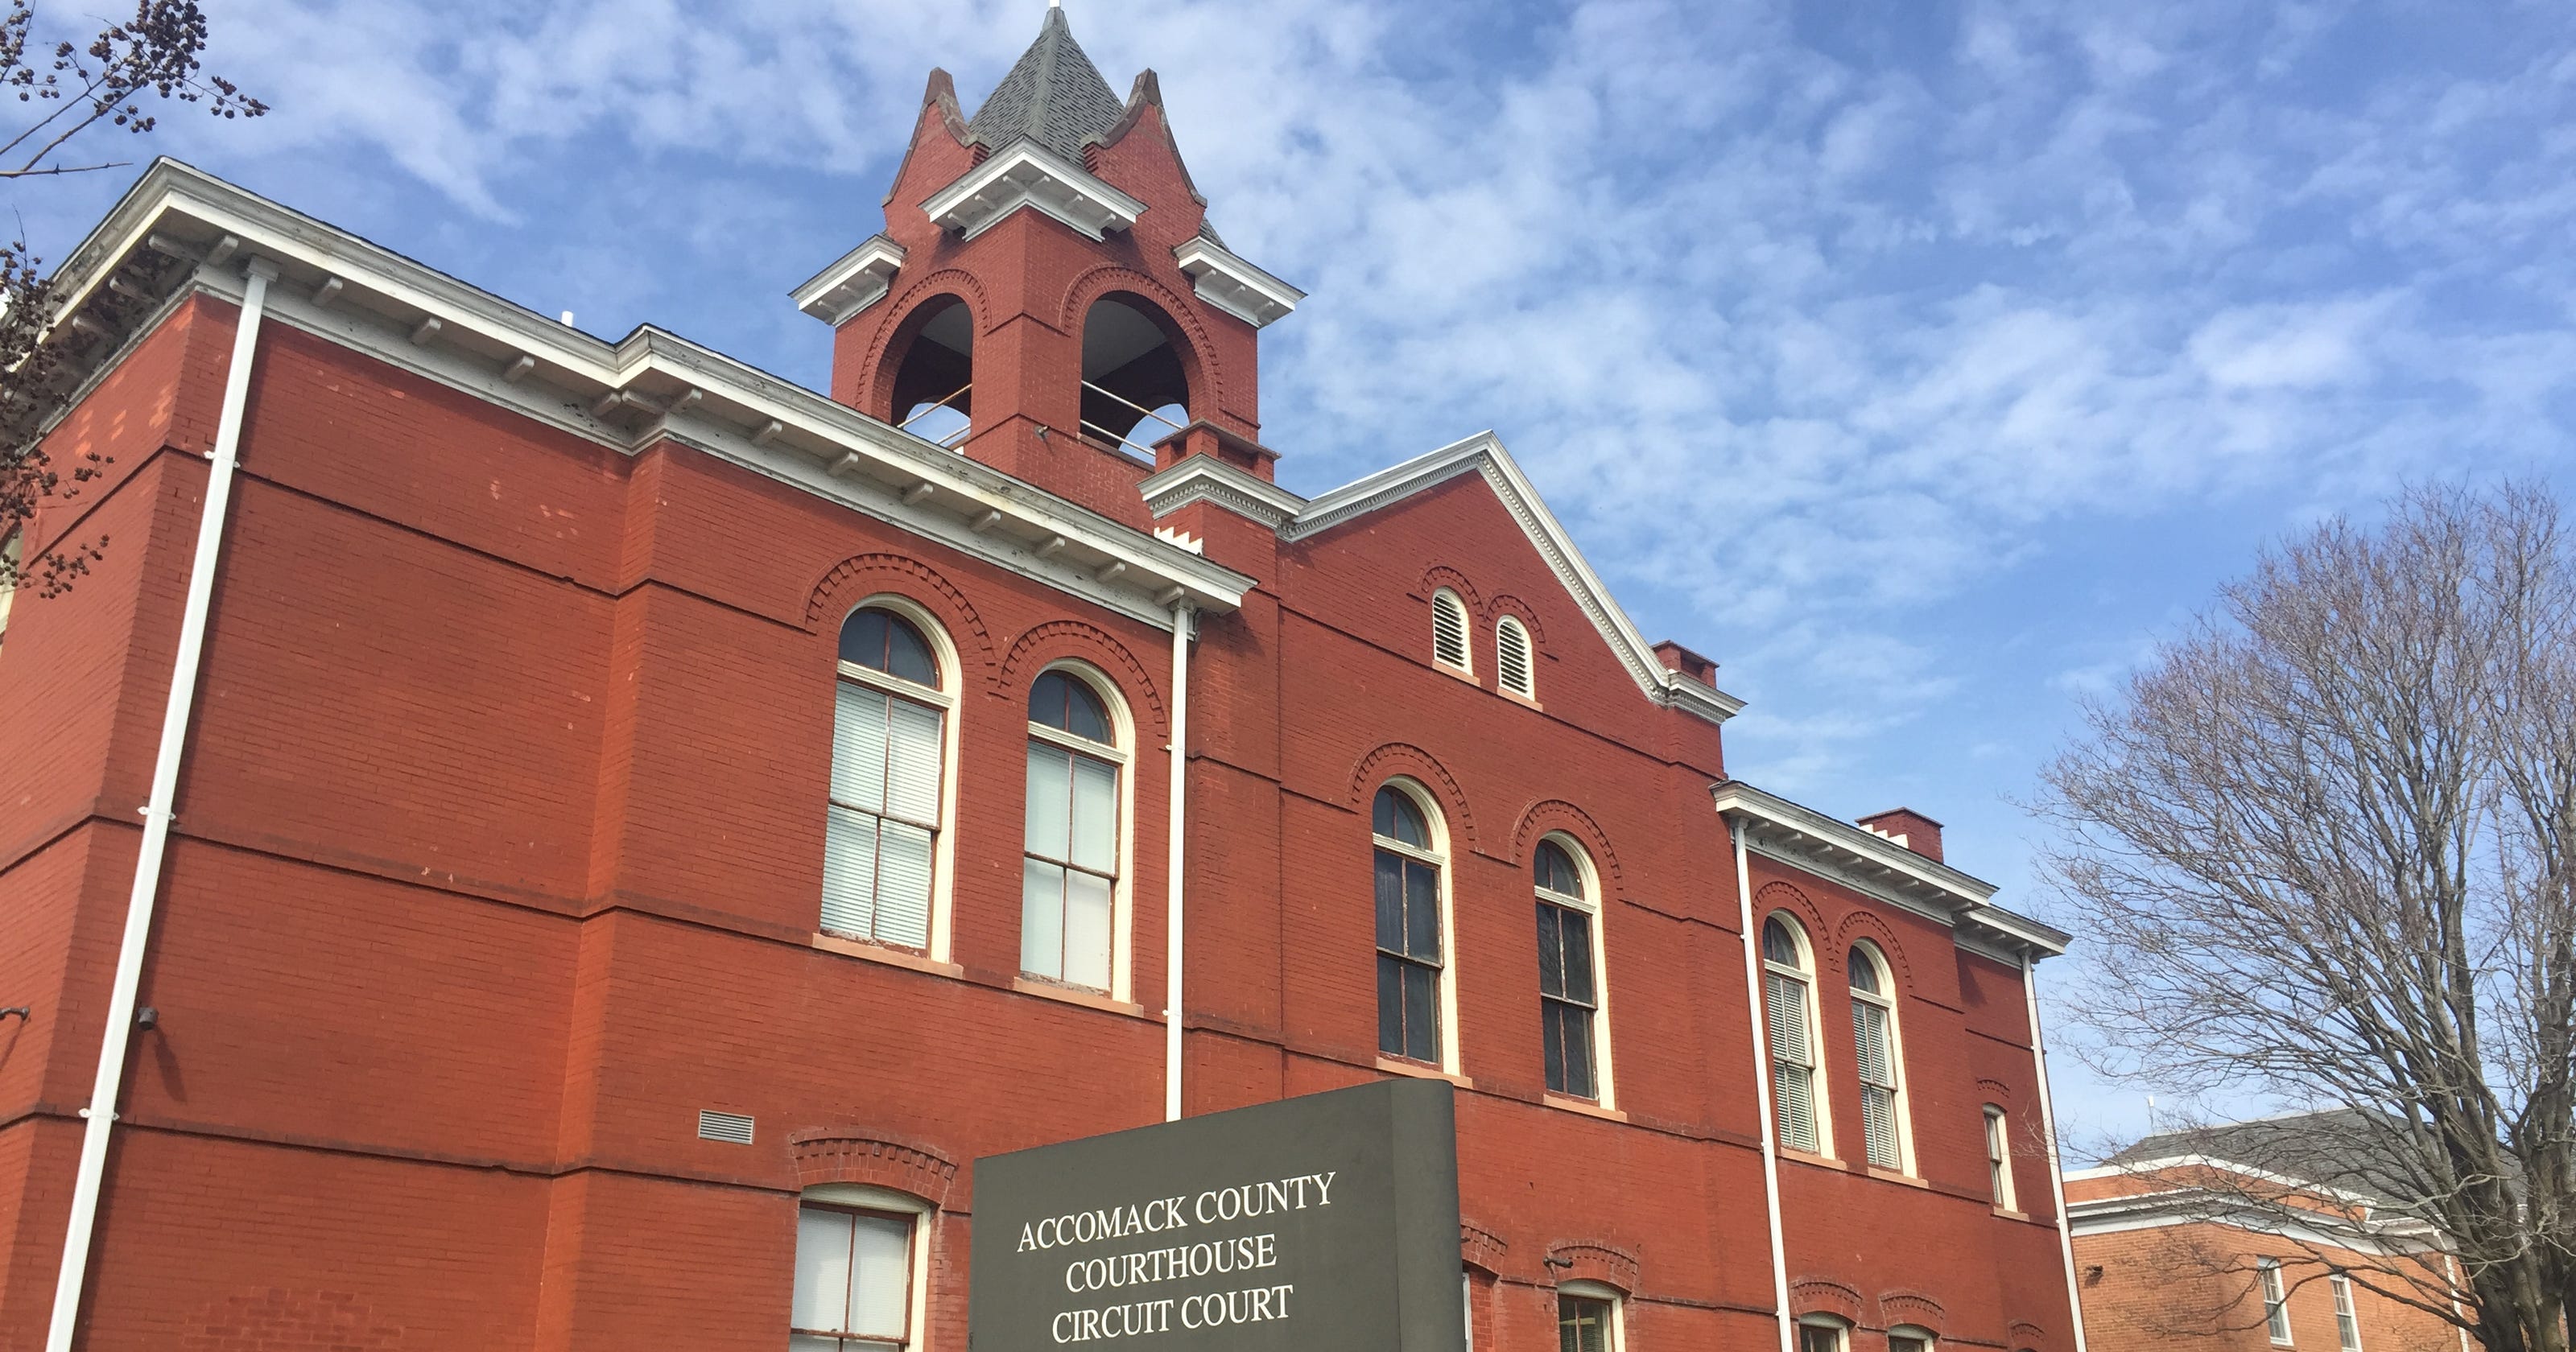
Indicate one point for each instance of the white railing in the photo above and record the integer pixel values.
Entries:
(1128, 441)
(949, 402)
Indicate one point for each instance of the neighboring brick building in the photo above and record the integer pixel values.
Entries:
(2224, 1239)
(645, 828)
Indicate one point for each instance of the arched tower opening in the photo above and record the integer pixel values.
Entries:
(1135, 374)
(933, 360)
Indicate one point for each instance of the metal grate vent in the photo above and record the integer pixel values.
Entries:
(731, 1127)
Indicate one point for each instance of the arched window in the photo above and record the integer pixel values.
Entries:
(1570, 973)
(1909, 1338)
(1449, 631)
(1512, 663)
(1135, 389)
(1999, 1157)
(934, 381)
(1588, 1318)
(1823, 1333)
(889, 750)
(1875, 1046)
(1412, 925)
(1788, 990)
(1069, 873)
(861, 1267)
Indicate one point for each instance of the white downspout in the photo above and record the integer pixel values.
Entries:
(110, 1084)
(1181, 614)
(2056, 1172)
(1762, 1086)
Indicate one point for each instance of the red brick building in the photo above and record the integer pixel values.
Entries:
(621, 833)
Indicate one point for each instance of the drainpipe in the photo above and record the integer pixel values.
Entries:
(101, 1112)
(1182, 613)
(2056, 1173)
(1762, 1086)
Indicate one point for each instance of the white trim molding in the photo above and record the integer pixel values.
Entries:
(178, 225)
(858, 280)
(1483, 454)
(1026, 174)
(1226, 281)
(1204, 478)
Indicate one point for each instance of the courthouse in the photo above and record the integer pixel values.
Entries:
(546, 843)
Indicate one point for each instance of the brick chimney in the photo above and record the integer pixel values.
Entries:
(1908, 828)
(1675, 657)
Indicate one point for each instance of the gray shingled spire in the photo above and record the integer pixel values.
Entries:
(1054, 96)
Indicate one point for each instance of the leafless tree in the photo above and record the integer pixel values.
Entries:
(2322, 844)
(66, 89)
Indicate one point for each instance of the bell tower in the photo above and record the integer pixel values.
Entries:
(1047, 296)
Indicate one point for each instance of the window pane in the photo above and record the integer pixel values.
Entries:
(1864, 971)
(1421, 1014)
(1787, 1006)
(912, 775)
(1095, 814)
(822, 1269)
(903, 884)
(879, 1294)
(1869, 1041)
(1556, 871)
(1578, 1050)
(1793, 1086)
(1086, 930)
(1390, 1005)
(1778, 944)
(859, 746)
(1551, 1031)
(1396, 818)
(1817, 1338)
(1582, 1324)
(1551, 951)
(1390, 901)
(1085, 715)
(1878, 1122)
(1577, 928)
(1042, 918)
(1421, 911)
(863, 639)
(849, 872)
(1050, 825)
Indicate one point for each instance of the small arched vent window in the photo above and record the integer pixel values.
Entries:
(1449, 631)
(1512, 658)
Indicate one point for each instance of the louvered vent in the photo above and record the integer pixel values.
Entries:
(1512, 658)
(1449, 629)
(733, 1128)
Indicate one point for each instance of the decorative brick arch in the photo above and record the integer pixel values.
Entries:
(1778, 896)
(847, 1155)
(1504, 603)
(2026, 1334)
(1555, 814)
(1441, 575)
(1817, 1295)
(1073, 638)
(950, 281)
(1198, 355)
(1593, 1260)
(1412, 762)
(865, 575)
(1911, 1307)
(1481, 1249)
(1858, 924)
(1995, 1092)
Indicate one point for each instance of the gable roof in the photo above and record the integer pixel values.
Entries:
(1295, 518)
(2342, 1150)
(1053, 96)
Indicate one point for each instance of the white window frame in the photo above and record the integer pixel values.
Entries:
(2276, 1300)
(864, 1197)
(1505, 629)
(1897, 1107)
(1999, 1157)
(1926, 1339)
(1581, 1289)
(943, 697)
(1466, 663)
(1838, 1327)
(1590, 905)
(1819, 1093)
(2347, 1314)
(1122, 727)
(1438, 858)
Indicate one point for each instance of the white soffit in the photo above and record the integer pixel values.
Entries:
(1026, 174)
(857, 281)
(1201, 478)
(1484, 454)
(1230, 284)
(646, 387)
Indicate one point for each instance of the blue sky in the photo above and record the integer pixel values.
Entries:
(1923, 362)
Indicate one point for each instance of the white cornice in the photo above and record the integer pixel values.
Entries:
(1484, 454)
(648, 386)
(1202, 478)
(1226, 281)
(1026, 174)
(1871, 863)
(860, 279)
